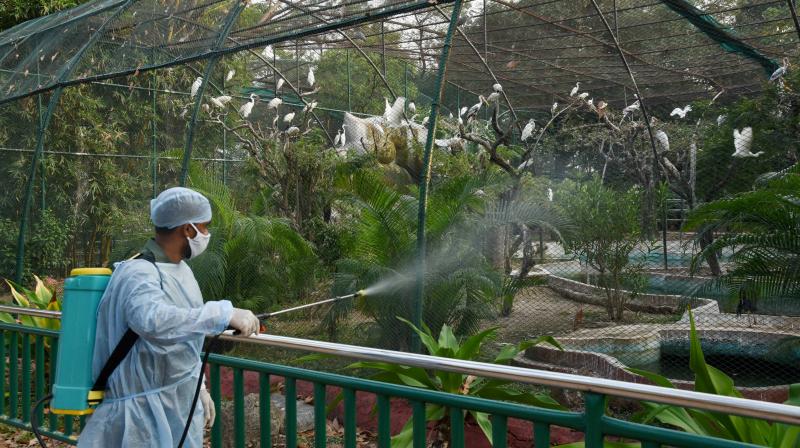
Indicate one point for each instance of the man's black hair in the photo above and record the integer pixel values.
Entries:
(165, 230)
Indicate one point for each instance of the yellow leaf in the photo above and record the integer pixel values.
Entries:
(21, 300)
(42, 293)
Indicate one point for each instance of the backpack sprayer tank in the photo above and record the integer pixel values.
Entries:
(82, 293)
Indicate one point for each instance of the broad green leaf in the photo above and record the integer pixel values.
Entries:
(471, 347)
(606, 444)
(41, 292)
(654, 377)
(447, 340)
(426, 337)
(6, 318)
(484, 422)
(21, 300)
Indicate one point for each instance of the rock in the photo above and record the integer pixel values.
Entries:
(252, 428)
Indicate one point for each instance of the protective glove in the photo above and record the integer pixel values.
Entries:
(209, 411)
(245, 322)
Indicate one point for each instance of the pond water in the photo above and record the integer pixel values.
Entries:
(747, 371)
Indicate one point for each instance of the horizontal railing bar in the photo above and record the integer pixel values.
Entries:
(30, 312)
(28, 330)
(644, 392)
(60, 436)
(636, 391)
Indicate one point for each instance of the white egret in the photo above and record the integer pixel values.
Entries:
(230, 75)
(310, 107)
(206, 107)
(387, 108)
(553, 108)
(777, 74)
(630, 109)
(343, 140)
(681, 112)
(274, 103)
(492, 97)
(476, 107)
(220, 101)
(662, 139)
(425, 120)
(549, 194)
(279, 84)
(525, 164)
(575, 89)
(196, 85)
(462, 111)
(497, 87)
(742, 141)
(247, 107)
(583, 95)
(292, 131)
(528, 130)
(412, 107)
(721, 119)
(288, 117)
(267, 52)
(590, 103)
(338, 138)
(310, 78)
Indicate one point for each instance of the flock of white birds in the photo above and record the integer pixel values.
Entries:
(351, 131)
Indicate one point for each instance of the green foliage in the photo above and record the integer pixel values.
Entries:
(13, 12)
(254, 261)
(762, 229)
(604, 232)
(40, 298)
(710, 380)
(447, 345)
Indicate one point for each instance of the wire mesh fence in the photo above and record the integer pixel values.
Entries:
(578, 159)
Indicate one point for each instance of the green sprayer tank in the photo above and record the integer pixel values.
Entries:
(82, 293)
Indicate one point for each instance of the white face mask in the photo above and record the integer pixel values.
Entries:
(199, 243)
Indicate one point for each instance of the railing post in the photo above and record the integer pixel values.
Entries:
(384, 422)
(26, 377)
(216, 395)
(320, 423)
(457, 439)
(349, 418)
(499, 431)
(238, 408)
(291, 412)
(419, 424)
(595, 409)
(3, 364)
(265, 409)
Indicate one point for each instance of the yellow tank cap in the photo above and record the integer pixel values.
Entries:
(90, 271)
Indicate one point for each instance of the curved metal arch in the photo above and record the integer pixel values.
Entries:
(45, 122)
(425, 179)
(233, 14)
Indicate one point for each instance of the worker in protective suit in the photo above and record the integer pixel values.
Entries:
(149, 394)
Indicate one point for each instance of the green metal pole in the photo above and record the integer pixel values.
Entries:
(349, 87)
(153, 140)
(43, 204)
(45, 121)
(426, 173)
(233, 14)
(224, 148)
(405, 86)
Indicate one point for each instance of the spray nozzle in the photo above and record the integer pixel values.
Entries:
(361, 293)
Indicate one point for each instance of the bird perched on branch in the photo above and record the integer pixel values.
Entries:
(662, 139)
(497, 87)
(630, 109)
(528, 130)
(575, 89)
(681, 112)
(268, 53)
(777, 74)
(220, 101)
(279, 84)
(247, 107)
(196, 86)
(230, 75)
(310, 78)
(274, 103)
(288, 117)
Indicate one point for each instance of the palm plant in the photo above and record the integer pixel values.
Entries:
(461, 287)
(254, 261)
(762, 229)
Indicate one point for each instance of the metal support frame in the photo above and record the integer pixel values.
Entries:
(793, 11)
(153, 137)
(426, 173)
(233, 14)
(44, 122)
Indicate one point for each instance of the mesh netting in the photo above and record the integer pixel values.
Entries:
(564, 184)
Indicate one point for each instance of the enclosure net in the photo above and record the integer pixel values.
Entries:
(573, 193)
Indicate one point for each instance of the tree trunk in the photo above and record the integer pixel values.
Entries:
(706, 239)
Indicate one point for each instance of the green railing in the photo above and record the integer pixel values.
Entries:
(21, 345)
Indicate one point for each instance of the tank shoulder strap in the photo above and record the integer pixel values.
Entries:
(123, 347)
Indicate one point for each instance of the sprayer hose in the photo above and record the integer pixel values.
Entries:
(209, 348)
(35, 419)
